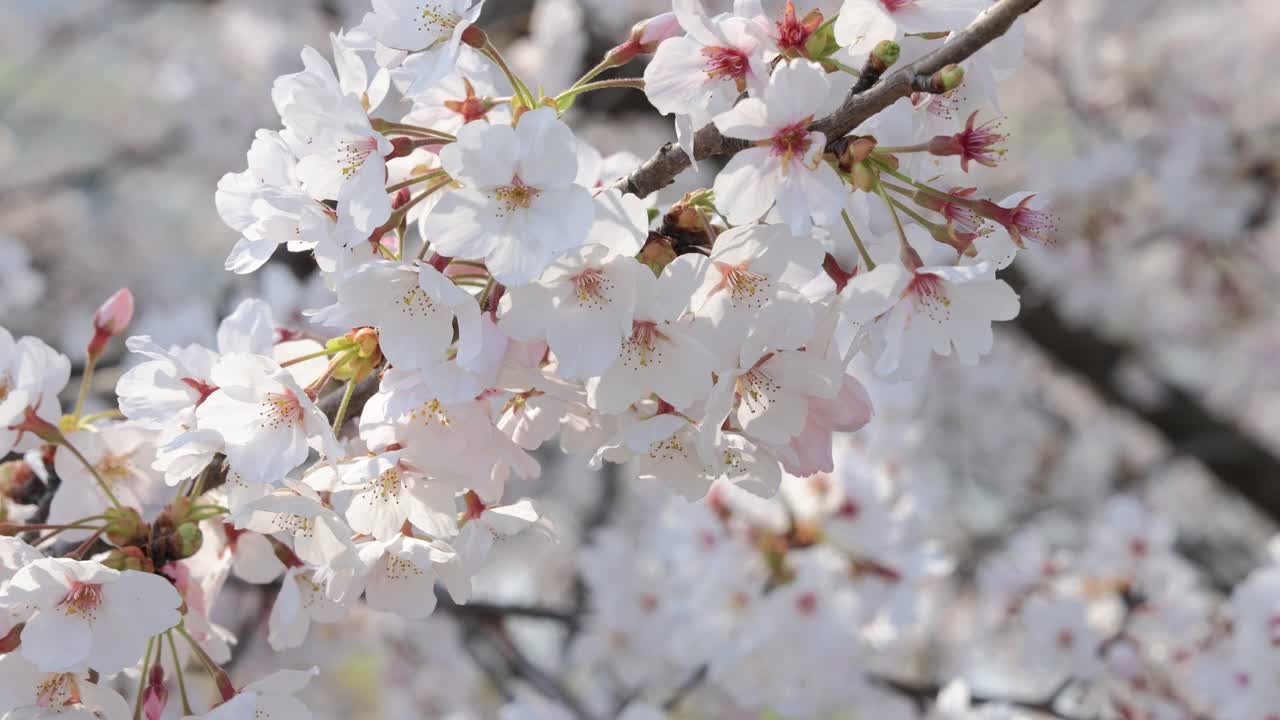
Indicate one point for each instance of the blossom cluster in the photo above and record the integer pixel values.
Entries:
(495, 284)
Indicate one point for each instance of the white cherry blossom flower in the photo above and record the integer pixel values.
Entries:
(86, 615)
(699, 76)
(402, 573)
(264, 418)
(519, 207)
(267, 205)
(863, 23)
(386, 493)
(301, 601)
(122, 455)
(27, 692)
(432, 28)
(582, 305)
(661, 355)
(31, 376)
(785, 165)
(413, 308)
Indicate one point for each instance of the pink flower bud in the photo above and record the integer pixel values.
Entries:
(111, 319)
(648, 34)
(156, 695)
(115, 314)
(645, 37)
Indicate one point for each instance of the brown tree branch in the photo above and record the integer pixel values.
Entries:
(660, 170)
(1233, 455)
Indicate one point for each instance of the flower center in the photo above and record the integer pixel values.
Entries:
(400, 569)
(1036, 224)
(353, 153)
(929, 295)
(755, 387)
(298, 525)
(57, 691)
(434, 21)
(386, 486)
(280, 410)
(82, 599)
(791, 141)
(114, 469)
(5, 386)
(415, 302)
(743, 285)
(726, 62)
(642, 347)
(591, 286)
(793, 32)
(469, 107)
(895, 5)
(516, 196)
(431, 410)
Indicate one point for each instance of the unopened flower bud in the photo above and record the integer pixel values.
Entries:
(645, 37)
(125, 526)
(188, 540)
(366, 339)
(156, 695)
(864, 178)
(945, 80)
(111, 319)
(853, 150)
(657, 253)
(20, 483)
(475, 37)
(884, 55)
(129, 558)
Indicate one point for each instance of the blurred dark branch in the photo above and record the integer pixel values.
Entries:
(925, 694)
(501, 611)
(1239, 460)
(490, 633)
(660, 170)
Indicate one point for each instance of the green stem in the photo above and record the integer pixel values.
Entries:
(914, 215)
(384, 126)
(142, 681)
(891, 149)
(521, 90)
(342, 406)
(484, 294)
(841, 66)
(220, 677)
(897, 221)
(592, 73)
(415, 180)
(85, 379)
(637, 83)
(106, 489)
(311, 356)
(177, 669)
(862, 250)
(914, 183)
(104, 415)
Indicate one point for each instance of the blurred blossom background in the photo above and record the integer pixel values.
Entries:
(1144, 364)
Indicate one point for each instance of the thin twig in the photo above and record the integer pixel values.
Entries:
(660, 170)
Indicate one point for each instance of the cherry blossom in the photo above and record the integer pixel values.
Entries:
(786, 165)
(518, 207)
(86, 615)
